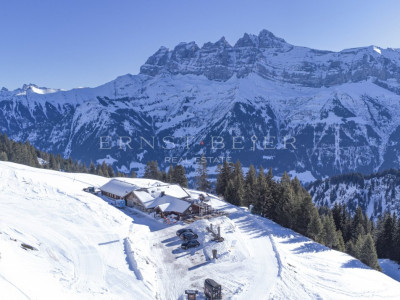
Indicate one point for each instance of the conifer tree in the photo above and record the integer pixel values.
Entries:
(224, 174)
(351, 248)
(179, 176)
(357, 225)
(304, 214)
(230, 193)
(385, 235)
(285, 205)
(104, 169)
(170, 174)
(133, 174)
(3, 156)
(340, 242)
(151, 170)
(396, 242)
(314, 228)
(250, 186)
(110, 171)
(260, 190)
(53, 163)
(329, 232)
(163, 176)
(92, 168)
(367, 253)
(203, 184)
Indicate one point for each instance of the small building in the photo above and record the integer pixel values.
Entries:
(140, 199)
(212, 290)
(117, 189)
(167, 205)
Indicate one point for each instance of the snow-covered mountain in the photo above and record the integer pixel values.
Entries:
(84, 248)
(322, 112)
(375, 193)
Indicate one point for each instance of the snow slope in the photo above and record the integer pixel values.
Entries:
(87, 249)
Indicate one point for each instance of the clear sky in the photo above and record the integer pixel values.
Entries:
(75, 43)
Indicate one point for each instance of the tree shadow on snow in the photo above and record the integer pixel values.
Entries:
(199, 265)
(310, 247)
(170, 239)
(355, 263)
(296, 239)
(174, 243)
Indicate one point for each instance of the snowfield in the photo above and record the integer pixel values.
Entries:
(85, 248)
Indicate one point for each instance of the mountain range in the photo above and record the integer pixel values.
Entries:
(262, 100)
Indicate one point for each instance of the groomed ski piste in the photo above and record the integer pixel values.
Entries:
(85, 248)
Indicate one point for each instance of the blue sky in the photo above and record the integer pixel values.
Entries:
(74, 43)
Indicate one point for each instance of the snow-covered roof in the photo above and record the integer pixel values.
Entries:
(170, 204)
(144, 197)
(173, 190)
(118, 187)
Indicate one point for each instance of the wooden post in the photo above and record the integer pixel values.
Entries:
(219, 232)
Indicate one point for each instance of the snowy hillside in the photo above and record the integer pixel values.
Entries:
(87, 249)
(375, 193)
(339, 109)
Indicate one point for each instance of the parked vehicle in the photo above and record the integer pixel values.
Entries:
(186, 236)
(180, 231)
(190, 244)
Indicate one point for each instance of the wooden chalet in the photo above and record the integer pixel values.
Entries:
(140, 199)
(167, 205)
(117, 189)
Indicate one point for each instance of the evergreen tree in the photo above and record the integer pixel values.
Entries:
(92, 168)
(104, 169)
(285, 205)
(163, 176)
(385, 236)
(110, 171)
(151, 170)
(224, 174)
(351, 248)
(314, 228)
(357, 225)
(338, 216)
(170, 174)
(179, 176)
(203, 184)
(250, 186)
(304, 215)
(235, 190)
(260, 191)
(368, 254)
(3, 156)
(340, 242)
(329, 232)
(133, 174)
(396, 242)
(53, 163)
(230, 193)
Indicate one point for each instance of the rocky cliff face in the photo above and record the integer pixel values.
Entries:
(263, 101)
